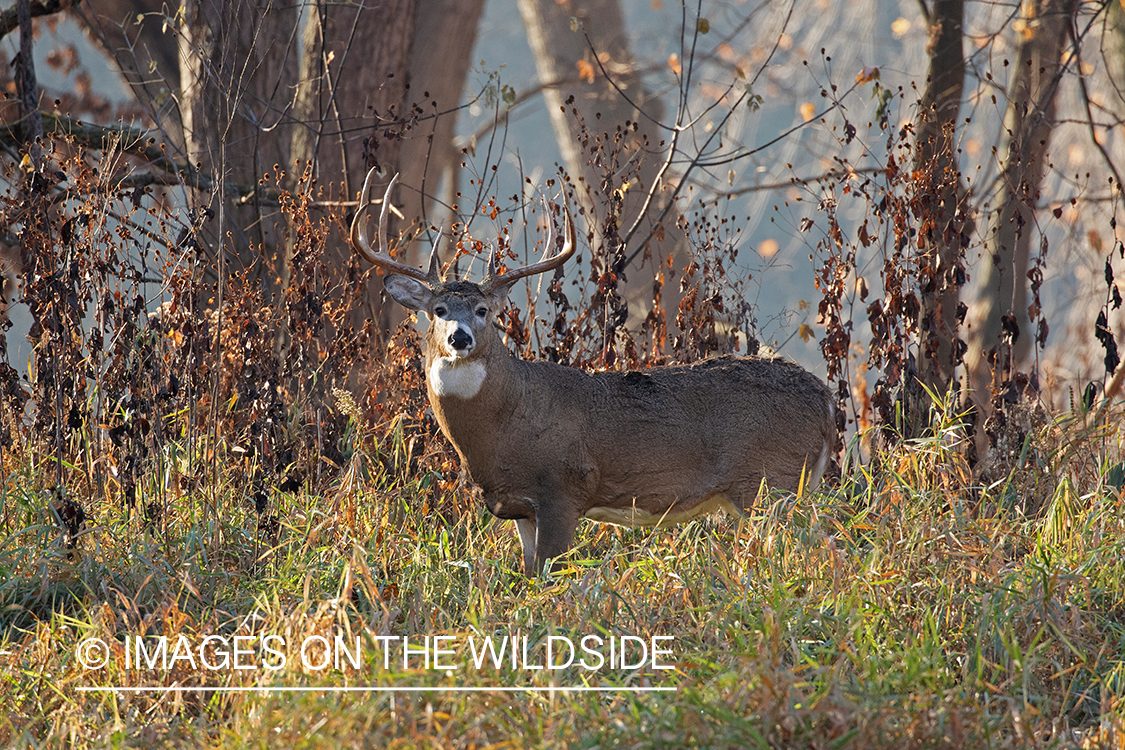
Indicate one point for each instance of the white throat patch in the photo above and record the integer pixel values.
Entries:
(450, 377)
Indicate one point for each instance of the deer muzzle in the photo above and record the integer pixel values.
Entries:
(460, 341)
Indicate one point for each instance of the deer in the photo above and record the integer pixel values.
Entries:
(549, 445)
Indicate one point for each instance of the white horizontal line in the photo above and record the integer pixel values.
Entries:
(374, 689)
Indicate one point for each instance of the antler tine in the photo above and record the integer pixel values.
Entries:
(433, 274)
(570, 244)
(382, 258)
(493, 264)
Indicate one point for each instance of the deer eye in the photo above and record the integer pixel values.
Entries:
(439, 311)
(482, 311)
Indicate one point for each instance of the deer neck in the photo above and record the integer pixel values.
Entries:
(470, 387)
(469, 399)
(448, 377)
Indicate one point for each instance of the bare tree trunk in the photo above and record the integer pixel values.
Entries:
(1029, 121)
(27, 88)
(1114, 46)
(446, 31)
(351, 99)
(353, 88)
(942, 268)
(559, 47)
(237, 62)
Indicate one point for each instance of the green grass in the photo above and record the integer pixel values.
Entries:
(909, 606)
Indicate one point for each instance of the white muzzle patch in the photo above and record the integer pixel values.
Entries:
(456, 338)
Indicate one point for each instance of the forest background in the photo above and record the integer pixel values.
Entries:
(217, 421)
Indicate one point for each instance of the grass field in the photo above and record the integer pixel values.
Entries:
(909, 605)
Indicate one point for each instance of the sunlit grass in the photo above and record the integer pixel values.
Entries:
(905, 607)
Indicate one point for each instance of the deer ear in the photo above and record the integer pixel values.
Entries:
(498, 295)
(408, 292)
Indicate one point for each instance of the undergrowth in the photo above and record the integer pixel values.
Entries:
(906, 607)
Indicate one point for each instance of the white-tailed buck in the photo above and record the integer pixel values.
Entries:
(550, 445)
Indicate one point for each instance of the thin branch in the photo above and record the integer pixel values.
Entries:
(829, 175)
(1089, 113)
(696, 161)
(735, 156)
(521, 98)
(689, 63)
(926, 15)
(620, 91)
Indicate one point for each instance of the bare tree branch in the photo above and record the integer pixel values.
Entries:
(139, 143)
(698, 160)
(1089, 114)
(10, 20)
(832, 174)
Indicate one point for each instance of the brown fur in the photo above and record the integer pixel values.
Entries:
(548, 443)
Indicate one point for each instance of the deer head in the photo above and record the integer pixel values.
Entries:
(461, 312)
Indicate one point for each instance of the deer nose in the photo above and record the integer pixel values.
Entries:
(460, 340)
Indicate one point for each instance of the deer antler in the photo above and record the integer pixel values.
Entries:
(493, 280)
(382, 258)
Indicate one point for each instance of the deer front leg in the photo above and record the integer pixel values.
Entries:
(555, 523)
(525, 527)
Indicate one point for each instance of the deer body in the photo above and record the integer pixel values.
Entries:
(549, 445)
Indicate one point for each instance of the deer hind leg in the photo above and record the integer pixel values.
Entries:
(525, 527)
(745, 497)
